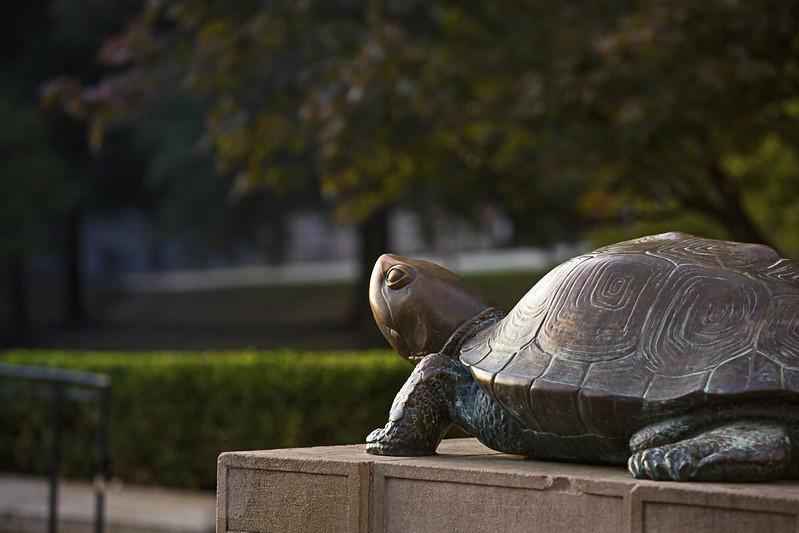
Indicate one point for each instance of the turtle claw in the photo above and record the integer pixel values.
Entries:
(380, 441)
(635, 467)
(681, 465)
(662, 464)
(375, 435)
(646, 464)
(388, 441)
(376, 442)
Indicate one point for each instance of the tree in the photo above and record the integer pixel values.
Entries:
(572, 116)
(672, 103)
(32, 180)
(640, 111)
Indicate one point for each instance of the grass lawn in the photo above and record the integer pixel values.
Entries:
(308, 316)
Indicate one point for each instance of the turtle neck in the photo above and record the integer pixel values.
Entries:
(470, 328)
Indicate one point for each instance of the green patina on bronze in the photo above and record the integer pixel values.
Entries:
(675, 354)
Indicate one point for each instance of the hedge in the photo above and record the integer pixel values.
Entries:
(173, 413)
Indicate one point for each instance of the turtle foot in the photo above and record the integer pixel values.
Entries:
(744, 451)
(387, 441)
(663, 463)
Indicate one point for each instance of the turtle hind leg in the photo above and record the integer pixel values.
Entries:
(739, 451)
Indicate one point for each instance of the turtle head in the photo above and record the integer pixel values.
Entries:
(418, 305)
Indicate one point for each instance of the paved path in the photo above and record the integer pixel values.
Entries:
(129, 509)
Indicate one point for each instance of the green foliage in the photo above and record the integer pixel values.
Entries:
(172, 414)
(671, 95)
(625, 114)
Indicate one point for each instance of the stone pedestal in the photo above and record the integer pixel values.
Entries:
(469, 488)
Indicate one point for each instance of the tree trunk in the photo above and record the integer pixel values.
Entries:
(735, 217)
(17, 331)
(374, 240)
(719, 198)
(73, 272)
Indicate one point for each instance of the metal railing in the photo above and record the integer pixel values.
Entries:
(72, 385)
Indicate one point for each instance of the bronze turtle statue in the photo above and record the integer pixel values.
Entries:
(675, 354)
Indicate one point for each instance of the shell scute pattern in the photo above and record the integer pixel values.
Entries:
(556, 405)
(643, 244)
(710, 252)
(703, 317)
(749, 373)
(608, 415)
(664, 388)
(600, 307)
(782, 273)
(511, 386)
(476, 349)
(628, 378)
(790, 379)
(556, 393)
(611, 394)
(779, 338)
(565, 372)
(521, 325)
(659, 323)
(512, 339)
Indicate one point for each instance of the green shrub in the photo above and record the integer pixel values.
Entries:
(172, 414)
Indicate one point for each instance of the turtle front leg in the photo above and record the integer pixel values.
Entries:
(419, 416)
(740, 451)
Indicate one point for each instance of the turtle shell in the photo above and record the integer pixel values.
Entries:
(643, 328)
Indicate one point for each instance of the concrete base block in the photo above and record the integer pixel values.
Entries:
(468, 487)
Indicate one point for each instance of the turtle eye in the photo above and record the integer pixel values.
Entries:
(397, 277)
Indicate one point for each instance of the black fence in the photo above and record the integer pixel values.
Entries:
(69, 385)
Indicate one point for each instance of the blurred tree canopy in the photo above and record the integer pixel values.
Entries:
(50, 182)
(574, 116)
